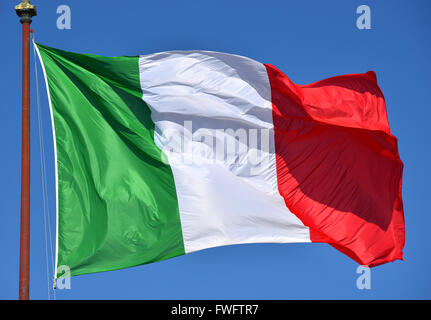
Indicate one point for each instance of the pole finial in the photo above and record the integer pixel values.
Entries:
(25, 10)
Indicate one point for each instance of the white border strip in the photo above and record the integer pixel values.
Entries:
(55, 160)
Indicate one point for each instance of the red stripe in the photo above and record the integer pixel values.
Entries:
(338, 167)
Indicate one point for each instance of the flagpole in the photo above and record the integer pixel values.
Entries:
(25, 11)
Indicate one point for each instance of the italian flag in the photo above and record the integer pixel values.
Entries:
(174, 152)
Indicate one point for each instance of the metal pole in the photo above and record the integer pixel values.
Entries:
(25, 11)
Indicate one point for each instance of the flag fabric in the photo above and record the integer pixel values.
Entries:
(170, 153)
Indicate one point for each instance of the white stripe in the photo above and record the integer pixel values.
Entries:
(194, 97)
(55, 160)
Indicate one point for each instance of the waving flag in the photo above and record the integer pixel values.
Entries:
(174, 152)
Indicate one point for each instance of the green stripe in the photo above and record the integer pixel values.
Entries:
(117, 203)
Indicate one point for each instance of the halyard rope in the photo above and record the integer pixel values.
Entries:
(46, 215)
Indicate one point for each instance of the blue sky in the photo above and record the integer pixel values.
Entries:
(309, 40)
